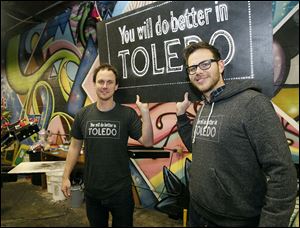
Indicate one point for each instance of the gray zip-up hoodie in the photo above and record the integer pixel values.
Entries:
(242, 171)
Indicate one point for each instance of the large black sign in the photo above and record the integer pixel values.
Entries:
(146, 44)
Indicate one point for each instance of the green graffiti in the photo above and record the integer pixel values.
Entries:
(21, 83)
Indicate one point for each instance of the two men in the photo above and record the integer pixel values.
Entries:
(241, 174)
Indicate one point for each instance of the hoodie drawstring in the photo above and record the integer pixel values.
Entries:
(197, 123)
(207, 121)
(211, 110)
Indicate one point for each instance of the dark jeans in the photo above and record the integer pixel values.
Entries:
(196, 220)
(120, 205)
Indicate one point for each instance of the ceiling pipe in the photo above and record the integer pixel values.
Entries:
(26, 19)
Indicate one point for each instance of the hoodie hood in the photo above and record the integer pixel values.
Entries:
(236, 87)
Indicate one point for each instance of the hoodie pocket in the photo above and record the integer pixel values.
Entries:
(219, 183)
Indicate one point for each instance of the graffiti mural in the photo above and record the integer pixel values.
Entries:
(286, 69)
(48, 75)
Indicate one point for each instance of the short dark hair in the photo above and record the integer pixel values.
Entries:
(106, 66)
(191, 48)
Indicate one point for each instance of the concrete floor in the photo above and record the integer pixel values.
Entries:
(26, 205)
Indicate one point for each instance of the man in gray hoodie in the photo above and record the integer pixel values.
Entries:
(242, 173)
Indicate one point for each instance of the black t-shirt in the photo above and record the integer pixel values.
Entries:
(105, 136)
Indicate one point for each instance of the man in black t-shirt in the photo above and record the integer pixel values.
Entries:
(104, 127)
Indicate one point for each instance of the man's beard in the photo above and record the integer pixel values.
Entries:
(203, 88)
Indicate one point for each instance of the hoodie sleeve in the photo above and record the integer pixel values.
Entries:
(270, 144)
(185, 130)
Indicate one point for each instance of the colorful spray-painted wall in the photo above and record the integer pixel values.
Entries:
(48, 76)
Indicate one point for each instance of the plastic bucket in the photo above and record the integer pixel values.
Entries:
(54, 180)
(57, 193)
(76, 196)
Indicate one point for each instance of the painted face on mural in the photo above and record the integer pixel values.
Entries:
(209, 79)
(105, 85)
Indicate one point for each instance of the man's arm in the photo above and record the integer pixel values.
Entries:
(184, 125)
(147, 129)
(267, 137)
(72, 157)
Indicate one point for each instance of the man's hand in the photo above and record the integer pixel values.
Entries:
(147, 130)
(66, 187)
(142, 106)
(181, 107)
